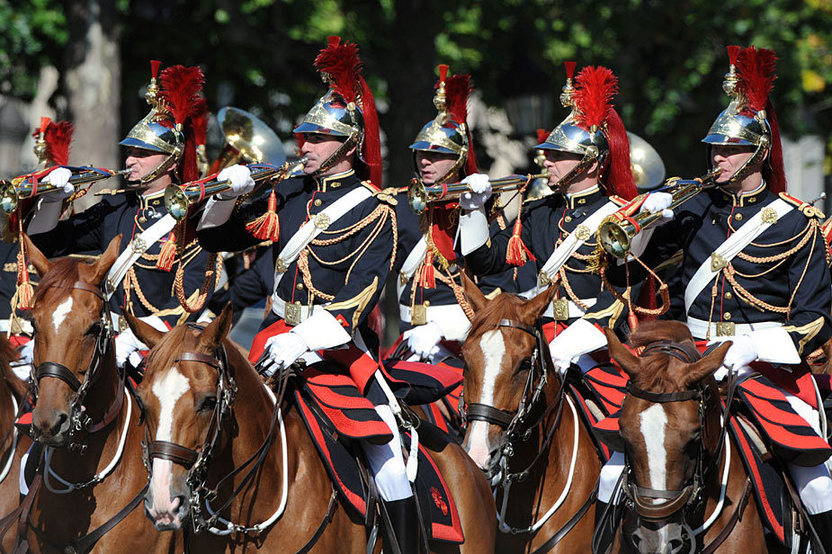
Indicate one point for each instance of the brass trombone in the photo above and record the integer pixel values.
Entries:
(419, 195)
(27, 186)
(178, 198)
(616, 233)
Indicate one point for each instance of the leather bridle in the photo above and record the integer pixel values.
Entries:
(79, 420)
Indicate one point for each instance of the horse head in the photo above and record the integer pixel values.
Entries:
(670, 425)
(187, 391)
(498, 356)
(72, 336)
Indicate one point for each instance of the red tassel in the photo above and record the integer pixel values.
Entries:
(154, 68)
(443, 73)
(517, 253)
(427, 279)
(733, 52)
(267, 226)
(168, 253)
(570, 68)
(632, 319)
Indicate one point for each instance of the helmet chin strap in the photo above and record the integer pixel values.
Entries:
(337, 156)
(759, 155)
(590, 156)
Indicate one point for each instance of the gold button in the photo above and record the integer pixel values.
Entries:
(567, 218)
(427, 302)
(582, 201)
(738, 217)
(726, 316)
(728, 295)
(300, 286)
(318, 202)
(752, 200)
(335, 184)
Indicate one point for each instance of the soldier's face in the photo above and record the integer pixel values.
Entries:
(432, 166)
(142, 162)
(559, 164)
(729, 158)
(318, 148)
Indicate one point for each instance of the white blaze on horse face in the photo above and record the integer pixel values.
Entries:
(60, 313)
(493, 349)
(653, 422)
(168, 389)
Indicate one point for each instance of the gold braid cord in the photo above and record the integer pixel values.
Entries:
(449, 281)
(663, 291)
(379, 215)
(213, 269)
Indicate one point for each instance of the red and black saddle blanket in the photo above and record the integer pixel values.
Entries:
(333, 410)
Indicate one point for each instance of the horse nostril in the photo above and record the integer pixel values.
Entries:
(59, 423)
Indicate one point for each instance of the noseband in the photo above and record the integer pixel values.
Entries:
(79, 420)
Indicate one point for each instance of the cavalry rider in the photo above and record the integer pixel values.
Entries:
(335, 248)
(432, 306)
(161, 149)
(754, 272)
(588, 160)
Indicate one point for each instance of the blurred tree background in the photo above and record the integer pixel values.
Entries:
(257, 55)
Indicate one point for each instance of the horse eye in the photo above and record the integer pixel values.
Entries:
(94, 329)
(208, 403)
(524, 365)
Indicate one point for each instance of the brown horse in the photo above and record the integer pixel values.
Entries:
(13, 445)
(282, 499)
(87, 421)
(677, 451)
(523, 429)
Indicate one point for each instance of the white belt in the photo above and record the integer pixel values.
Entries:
(701, 329)
(574, 309)
(433, 313)
(279, 308)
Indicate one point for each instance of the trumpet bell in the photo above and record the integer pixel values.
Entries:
(248, 136)
(645, 163)
(176, 202)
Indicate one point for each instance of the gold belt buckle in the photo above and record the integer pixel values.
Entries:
(726, 329)
(292, 313)
(560, 309)
(419, 316)
(122, 324)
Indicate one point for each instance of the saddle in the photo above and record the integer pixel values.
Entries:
(336, 414)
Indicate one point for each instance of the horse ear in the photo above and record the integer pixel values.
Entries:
(218, 329)
(537, 305)
(143, 331)
(707, 365)
(107, 259)
(628, 361)
(472, 292)
(41, 263)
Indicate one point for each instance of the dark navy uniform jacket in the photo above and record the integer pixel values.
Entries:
(545, 224)
(129, 214)
(8, 277)
(784, 267)
(410, 233)
(348, 261)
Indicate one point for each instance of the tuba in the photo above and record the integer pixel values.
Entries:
(616, 233)
(419, 195)
(27, 186)
(246, 140)
(645, 163)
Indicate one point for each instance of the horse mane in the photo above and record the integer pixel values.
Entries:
(654, 331)
(655, 373)
(63, 273)
(504, 306)
(168, 348)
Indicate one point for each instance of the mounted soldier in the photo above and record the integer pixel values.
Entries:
(754, 274)
(161, 149)
(334, 228)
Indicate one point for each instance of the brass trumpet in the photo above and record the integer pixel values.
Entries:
(616, 233)
(178, 198)
(419, 195)
(27, 186)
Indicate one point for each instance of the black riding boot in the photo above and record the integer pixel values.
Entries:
(405, 522)
(822, 523)
(605, 528)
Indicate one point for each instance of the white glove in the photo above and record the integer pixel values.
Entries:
(239, 176)
(480, 192)
(423, 340)
(60, 179)
(561, 358)
(658, 202)
(281, 351)
(741, 353)
(128, 347)
(26, 353)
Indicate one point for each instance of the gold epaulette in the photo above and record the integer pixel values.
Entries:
(369, 184)
(619, 201)
(805, 208)
(388, 195)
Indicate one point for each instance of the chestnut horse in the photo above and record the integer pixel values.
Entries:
(86, 420)
(272, 490)
(13, 444)
(685, 488)
(523, 429)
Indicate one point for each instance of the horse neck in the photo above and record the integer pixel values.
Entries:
(102, 393)
(537, 441)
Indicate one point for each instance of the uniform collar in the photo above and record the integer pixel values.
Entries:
(743, 199)
(584, 197)
(156, 199)
(330, 182)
